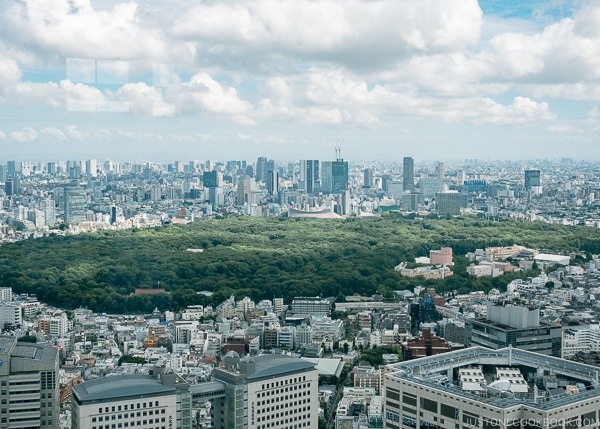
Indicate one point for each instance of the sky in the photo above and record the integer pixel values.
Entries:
(159, 80)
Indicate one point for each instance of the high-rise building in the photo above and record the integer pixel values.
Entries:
(367, 178)
(51, 168)
(29, 394)
(244, 189)
(515, 326)
(339, 176)
(408, 175)
(309, 176)
(261, 169)
(267, 391)
(441, 170)
(91, 167)
(533, 182)
(272, 182)
(132, 401)
(448, 203)
(74, 204)
(210, 179)
(411, 201)
(11, 168)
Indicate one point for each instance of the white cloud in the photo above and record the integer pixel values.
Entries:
(73, 133)
(24, 135)
(54, 133)
(204, 94)
(2, 135)
(77, 29)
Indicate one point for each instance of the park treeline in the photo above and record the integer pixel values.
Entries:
(262, 259)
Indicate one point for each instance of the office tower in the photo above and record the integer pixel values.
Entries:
(3, 173)
(210, 179)
(91, 167)
(441, 170)
(339, 176)
(385, 180)
(261, 169)
(483, 388)
(9, 187)
(367, 178)
(178, 167)
(430, 186)
(272, 182)
(411, 201)
(309, 176)
(515, 326)
(113, 215)
(132, 401)
(533, 183)
(448, 203)
(244, 189)
(408, 175)
(267, 391)
(12, 186)
(11, 168)
(51, 168)
(48, 206)
(346, 200)
(29, 394)
(74, 204)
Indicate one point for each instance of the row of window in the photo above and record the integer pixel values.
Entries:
(284, 398)
(278, 424)
(283, 382)
(125, 407)
(288, 405)
(143, 423)
(283, 390)
(127, 415)
(274, 416)
(124, 425)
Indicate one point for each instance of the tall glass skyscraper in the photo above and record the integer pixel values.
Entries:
(408, 178)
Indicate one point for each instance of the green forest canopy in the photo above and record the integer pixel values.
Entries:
(261, 258)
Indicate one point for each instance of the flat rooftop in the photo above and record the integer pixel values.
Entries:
(441, 372)
(119, 388)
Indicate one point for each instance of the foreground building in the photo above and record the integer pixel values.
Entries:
(29, 393)
(267, 391)
(125, 401)
(484, 388)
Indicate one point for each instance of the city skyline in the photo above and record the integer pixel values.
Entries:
(107, 79)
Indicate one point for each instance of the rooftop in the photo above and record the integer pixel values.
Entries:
(434, 372)
(120, 387)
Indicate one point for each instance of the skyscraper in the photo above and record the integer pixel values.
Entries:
(441, 170)
(309, 176)
(408, 178)
(339, 176)
(261, 169)
(272, 182)
(28, 372)
(533, 182)
(74, 204)
(367, 178)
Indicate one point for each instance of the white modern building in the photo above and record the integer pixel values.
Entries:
(267, 391)
(29, 388)
(132, 401)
